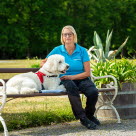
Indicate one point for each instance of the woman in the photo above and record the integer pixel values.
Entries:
(77, 77)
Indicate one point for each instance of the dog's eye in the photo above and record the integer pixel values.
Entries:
(60, 62)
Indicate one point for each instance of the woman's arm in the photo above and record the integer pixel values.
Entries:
(42, 62)
(79, 76)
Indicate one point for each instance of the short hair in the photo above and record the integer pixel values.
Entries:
(71, 28)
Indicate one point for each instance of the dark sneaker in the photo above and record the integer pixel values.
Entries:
(95, 120)
(87, 123)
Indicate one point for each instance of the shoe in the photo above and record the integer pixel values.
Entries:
(87, 123)
(95, 120)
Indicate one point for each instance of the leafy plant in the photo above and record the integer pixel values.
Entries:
(35, 66)
(124, 70)
(97, 51)
(35, 63)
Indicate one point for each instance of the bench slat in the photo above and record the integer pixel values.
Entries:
(106, 89)
(18, 70)
(34, 95)
(51, 94)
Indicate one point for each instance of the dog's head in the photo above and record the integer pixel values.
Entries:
(55, 64)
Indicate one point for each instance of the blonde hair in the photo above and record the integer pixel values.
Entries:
(71, 28)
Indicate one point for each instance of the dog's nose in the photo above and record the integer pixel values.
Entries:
(67, 66)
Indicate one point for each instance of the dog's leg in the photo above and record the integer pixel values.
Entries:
(61, 87)
(54, 85)
(12, 90)
(28, 87)
(27, 90)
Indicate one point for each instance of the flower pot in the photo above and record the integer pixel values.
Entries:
(125, 103)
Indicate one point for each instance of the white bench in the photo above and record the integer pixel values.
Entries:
(113, 89)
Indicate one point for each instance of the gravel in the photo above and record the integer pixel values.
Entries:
(107, 128)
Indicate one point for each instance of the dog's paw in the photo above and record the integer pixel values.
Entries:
(28, 91)
(36, 91)
(61, 87)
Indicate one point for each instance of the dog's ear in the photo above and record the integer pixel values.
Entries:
(51, 65)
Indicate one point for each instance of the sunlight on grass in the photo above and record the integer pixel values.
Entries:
(27, 63)
(18, 63)
(36, 111)
(36, 104)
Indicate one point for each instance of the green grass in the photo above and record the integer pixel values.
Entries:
(36, 111)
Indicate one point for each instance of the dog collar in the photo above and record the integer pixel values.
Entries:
(53, 76)
(40, 75)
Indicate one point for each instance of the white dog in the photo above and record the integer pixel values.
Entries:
(47, 76)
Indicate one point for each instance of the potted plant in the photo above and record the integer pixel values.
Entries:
(124, 70)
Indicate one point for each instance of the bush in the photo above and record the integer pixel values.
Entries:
(124, 70)
(34, 62)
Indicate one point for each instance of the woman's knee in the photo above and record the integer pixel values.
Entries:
(89, 88)
(71, 87)
(92, 92)
(95, 92)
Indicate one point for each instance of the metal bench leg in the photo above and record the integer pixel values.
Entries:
(95, 114)
(113, 108)
(4, 126)
(116, 112)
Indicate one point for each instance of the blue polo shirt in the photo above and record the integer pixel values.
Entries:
(75, 60)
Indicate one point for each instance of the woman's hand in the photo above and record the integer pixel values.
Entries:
(81, 75)
(42, 62)
(66, 78)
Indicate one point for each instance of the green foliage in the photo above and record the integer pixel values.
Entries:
(102, 55)
(35, 66)
(35, 63)
(32, 27)
(124, 70)
(35, 118)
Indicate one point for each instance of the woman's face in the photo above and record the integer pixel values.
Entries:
(68, 36)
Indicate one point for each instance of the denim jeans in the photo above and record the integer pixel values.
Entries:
(87, 87)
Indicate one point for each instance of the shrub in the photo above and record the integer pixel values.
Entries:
(34, 62)
(124, 70)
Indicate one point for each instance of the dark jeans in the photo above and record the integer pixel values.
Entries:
(87, 87)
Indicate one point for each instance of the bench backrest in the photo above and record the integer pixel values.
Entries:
(24, 70)
(17, 70)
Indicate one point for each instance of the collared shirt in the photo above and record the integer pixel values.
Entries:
(75, 60)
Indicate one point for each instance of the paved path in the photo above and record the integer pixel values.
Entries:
(108, 128)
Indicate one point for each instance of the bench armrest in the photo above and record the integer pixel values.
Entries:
(3, 95)
(111, 85)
